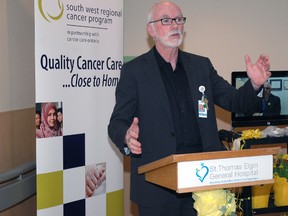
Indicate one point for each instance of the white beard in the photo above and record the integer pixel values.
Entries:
(165, 40)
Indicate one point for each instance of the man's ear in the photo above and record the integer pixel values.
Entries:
(150, 30)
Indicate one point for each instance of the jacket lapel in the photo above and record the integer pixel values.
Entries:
(154, 75)
(193, 80)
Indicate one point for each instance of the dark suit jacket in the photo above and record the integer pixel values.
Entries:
(141, 92)
(273, 106)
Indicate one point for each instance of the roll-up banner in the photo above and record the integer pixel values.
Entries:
(78, 57)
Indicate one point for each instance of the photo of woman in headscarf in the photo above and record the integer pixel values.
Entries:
(48, 126)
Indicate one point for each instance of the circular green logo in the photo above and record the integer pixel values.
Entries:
(48, 16)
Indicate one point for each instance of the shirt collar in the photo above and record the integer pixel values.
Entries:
(161, 61)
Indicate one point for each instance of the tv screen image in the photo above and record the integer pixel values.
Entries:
(274, 103)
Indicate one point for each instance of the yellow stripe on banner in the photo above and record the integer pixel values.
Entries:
(49, 189)
(115, 203)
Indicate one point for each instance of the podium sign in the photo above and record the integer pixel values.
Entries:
(224, 171)
(212, 170)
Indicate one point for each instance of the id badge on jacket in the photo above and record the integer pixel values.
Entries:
(203, 104)
(202, 110)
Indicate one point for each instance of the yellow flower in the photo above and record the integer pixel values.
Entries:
(250, 134)
(285, 156)
(246, 134)
(281, 165)
(220, 202)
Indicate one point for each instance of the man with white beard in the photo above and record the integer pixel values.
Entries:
(165, 105)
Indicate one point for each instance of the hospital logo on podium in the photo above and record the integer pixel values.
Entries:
(202, 172)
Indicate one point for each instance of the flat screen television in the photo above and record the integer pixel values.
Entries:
(279, 87)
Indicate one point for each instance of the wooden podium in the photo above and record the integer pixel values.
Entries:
(211, 170)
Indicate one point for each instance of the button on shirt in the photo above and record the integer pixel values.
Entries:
(183, 113)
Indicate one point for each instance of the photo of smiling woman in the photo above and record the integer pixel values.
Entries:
(49, 126)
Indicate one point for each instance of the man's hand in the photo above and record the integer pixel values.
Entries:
(258, 72)
(131, 137)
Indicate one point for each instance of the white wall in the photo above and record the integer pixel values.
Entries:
(17, 85)
(223, 30)
(17, 91)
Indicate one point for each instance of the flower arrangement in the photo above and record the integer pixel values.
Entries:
(239, 143)
(281, 166)
(220, 202)
(260, 193)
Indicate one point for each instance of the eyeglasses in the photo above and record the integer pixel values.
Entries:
(168, 21)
